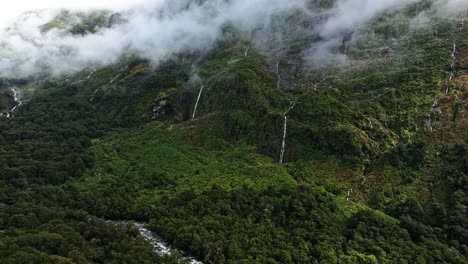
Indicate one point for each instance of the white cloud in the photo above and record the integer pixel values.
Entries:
(349, 14)
(156, 31)
(11, 9)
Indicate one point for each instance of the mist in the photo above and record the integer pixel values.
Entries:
(157, 30)
(154, 30)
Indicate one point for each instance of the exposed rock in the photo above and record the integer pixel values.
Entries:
(161, 108)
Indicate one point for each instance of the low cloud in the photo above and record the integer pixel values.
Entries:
(158, 29)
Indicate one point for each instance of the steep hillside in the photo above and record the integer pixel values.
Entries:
(278, 145)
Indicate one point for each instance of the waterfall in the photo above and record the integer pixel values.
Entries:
(114, 79)
(198, 100)
(283, 143)
(429, 116)
(17, 99)
(278, 84)
(462, 24)
(247, 52)
(348, 197)
(364, 179)
(454, 54)
(451, 75)
(285, 127)
(452, 66)
(90, 74)
(429, 122)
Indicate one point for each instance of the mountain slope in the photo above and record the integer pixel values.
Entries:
(249, 152)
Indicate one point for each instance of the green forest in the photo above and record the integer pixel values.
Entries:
(373, 168)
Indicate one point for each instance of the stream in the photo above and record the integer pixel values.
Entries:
(160, 246)
(17, 100)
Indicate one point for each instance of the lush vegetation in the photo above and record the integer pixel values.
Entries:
(119, 144)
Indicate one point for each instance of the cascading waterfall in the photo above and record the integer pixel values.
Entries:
(160, 246)
(278, 83)
(247, 51)
(454, 54)
(90, 74)
(348, 196)
(16, 97)
(429, 116)
(114, 79)
(251, 44)
(285, 127)
(452, 67)
(462, 24)
(17, 100)
(364, 180)
(347, 44)
(198, 100)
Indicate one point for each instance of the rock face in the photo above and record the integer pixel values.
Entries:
(161, 108)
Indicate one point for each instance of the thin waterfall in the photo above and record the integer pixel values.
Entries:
(348, 196)
(452, 66)
(114, 79)
(198, 100)
(285, 128)
(278, 83)
(454, 54)
(462, 24)
(249, 46)
(364, 180)
(17, 99)
(160, 246)
(283, 143)
(90, 74)
(429, 121)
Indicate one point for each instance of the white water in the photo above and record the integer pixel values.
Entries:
(198, 100)
(278, 84)
(429, 119)
(364, 179)
(283, 143)
(247, 52)
(285, 128)
(18, 103)
(348, 197)
(90, 74)
(159, 245)
(114, 79)
(452, 66)
(371, 124)
(16, 97)
(454, 55)
(462, 25)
